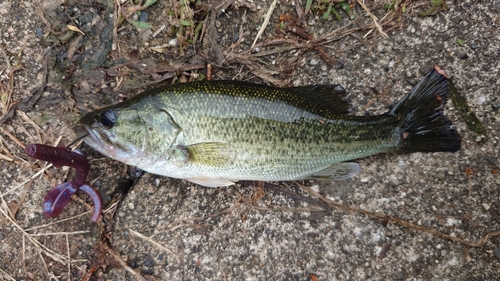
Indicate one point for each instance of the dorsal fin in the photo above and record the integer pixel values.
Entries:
(331, 97)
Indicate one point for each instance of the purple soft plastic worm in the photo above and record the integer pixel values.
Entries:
(58, 197)
(81, 166)
(94, 195)
(61, 156)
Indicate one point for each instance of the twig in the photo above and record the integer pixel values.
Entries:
(116, 20)
(38, 130)
(60, 233)
(24, 254)
(240, 31)
(374, 18)
(211, 38)
(177, 223)
(12, 137)
(289, 210)
(5, 57)
(119, 259)
(3, 157)
(35, 242)
(384, 217)
(33, 176)
(266, 21)
(22, 197)
(298, 197)
(221, 7)
(7, 275)
(41, 14)
(69, 256)
(144, 237)
(56, 222)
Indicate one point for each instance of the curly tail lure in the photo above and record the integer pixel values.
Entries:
(58, 197)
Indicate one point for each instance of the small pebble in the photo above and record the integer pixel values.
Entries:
(97, 183)
(339, 64)
(173, 42)
(135, 172)
(486, 206)
(473, 46)
(496, 251)
(143, 16)
(496, 105)
(440, 175)
(314, 62)
(149, 261)
(39, 32)
(147, 271)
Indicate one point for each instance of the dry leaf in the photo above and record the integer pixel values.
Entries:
(74, 28)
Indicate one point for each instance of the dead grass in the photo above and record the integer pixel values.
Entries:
(12, 65)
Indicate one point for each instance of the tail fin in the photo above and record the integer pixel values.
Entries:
(423, 125)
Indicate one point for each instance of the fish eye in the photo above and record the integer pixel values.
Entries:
(108, 118)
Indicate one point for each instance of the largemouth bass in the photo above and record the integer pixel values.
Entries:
(215, 133)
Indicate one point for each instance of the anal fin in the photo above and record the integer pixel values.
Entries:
(337, 172)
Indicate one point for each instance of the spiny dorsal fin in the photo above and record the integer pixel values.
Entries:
(331, 98)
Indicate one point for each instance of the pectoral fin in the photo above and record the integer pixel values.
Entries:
(214, 154)
(337, 172)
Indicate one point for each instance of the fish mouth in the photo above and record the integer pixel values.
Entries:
(92, 140)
